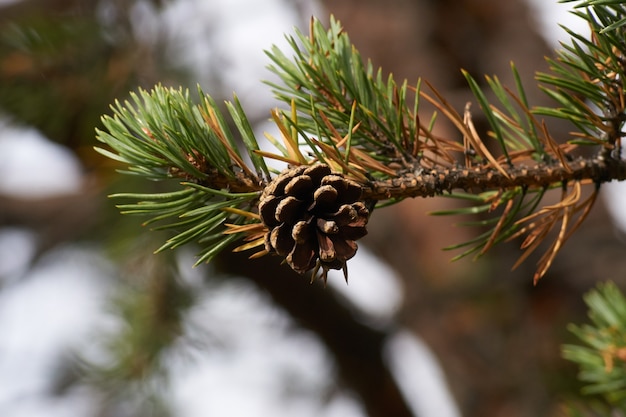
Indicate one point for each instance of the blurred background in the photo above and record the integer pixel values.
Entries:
(93, 324)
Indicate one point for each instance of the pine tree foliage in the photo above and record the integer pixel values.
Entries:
(370, 130)
(602, 352)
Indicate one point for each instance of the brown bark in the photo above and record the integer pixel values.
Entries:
(436, 182)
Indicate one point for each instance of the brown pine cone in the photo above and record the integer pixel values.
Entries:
(313, 217)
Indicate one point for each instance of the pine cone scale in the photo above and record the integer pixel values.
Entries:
(281, 240)
(287, 210)
(300, 185)
(353, 233)
(302, 257)
(327, 249)
(302, 231)
(344, 249)
(324, 198)
(328, 227)
(267, 210)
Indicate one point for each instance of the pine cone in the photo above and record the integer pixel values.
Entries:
(313, 217)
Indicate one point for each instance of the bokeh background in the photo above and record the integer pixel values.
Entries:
(93, 324)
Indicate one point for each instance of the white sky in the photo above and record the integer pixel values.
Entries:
(34, 166)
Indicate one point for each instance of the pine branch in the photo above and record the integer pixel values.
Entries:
(355, 141)
(437, 182)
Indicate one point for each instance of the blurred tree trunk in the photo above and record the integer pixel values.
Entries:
(356, 348)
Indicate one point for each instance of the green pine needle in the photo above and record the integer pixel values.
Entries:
(601, 354)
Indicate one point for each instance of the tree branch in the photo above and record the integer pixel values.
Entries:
(421, 183)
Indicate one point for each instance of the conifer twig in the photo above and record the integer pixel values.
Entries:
(421, 183)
